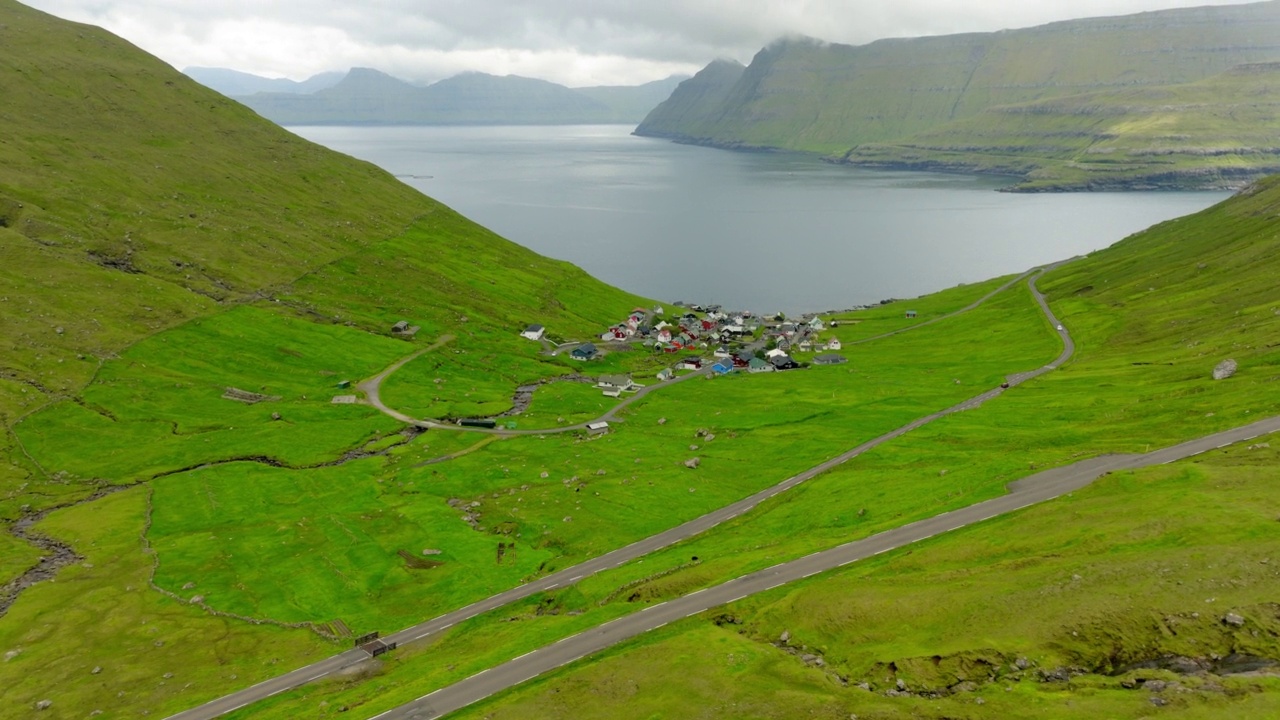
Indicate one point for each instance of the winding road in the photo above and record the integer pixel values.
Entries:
(1035, 489)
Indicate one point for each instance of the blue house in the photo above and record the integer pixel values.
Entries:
(585, 351)
(721, 368)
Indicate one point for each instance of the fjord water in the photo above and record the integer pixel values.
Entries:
(758, 231)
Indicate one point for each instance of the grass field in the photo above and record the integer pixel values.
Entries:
(152, 652)
(1083, 582)
(596, 495)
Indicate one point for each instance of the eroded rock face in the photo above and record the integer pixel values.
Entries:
(1225, 369)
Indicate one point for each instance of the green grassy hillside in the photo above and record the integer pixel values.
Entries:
(133, 200)
(1218, 132)
(826, 98)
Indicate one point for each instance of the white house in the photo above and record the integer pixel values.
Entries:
(775, 353)
(621, 383)
(534, 332)
(833, 344)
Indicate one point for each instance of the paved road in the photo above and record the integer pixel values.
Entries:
(617, 557)
(1028, 491)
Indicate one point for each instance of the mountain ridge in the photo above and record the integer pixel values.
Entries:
(369, 96)
(828, 98)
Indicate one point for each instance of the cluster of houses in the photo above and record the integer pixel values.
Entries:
(687, 331)
(734, 338)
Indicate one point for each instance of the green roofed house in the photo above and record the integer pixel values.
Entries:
(756, 365)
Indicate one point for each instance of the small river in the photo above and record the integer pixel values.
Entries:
(757, 231)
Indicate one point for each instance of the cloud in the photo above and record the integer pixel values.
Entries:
(576, 42)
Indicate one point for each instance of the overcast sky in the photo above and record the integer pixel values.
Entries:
(575, 42)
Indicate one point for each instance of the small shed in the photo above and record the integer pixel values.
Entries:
(597, 428)
(403, 328)
(911, 314)
(665, 374)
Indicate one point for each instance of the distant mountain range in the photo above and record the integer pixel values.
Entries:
(233, 82)
(366, 96)
(986, 101)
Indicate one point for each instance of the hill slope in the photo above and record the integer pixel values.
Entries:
(367, 96)
(692, 108)
(133, 200)
(1215, 133)
(827, 98)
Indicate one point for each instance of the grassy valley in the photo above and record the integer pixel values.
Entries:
(1097, 593)
(197, 499)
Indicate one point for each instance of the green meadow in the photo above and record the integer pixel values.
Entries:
(1085, 582)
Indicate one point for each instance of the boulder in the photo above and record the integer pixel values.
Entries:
(1233, 620)
(44, 704)
(1225, 369)
(692, 463)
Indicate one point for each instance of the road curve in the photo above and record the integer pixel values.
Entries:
(1028, 491)
(639, 548)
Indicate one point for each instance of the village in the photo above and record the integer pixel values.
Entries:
(735, 341)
